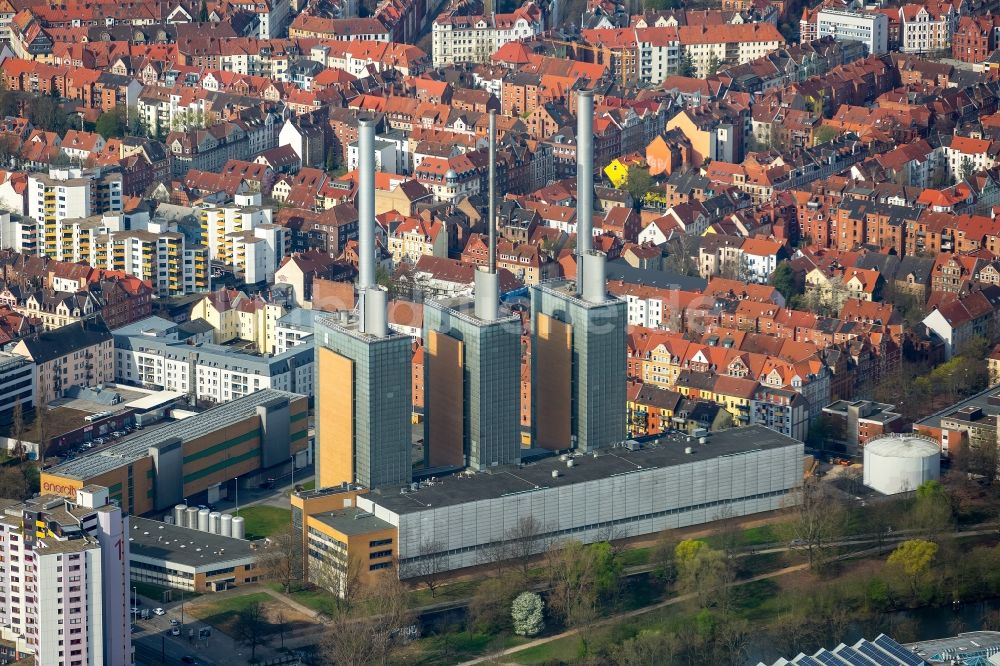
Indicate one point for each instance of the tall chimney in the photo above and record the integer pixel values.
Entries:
(487, 302)
(584, 180)
(493, 192)
(366, 205)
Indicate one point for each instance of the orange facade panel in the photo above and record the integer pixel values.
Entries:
(335, 414)
(445, 399)
(553, 375)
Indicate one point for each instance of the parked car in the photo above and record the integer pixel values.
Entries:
(175, 631)
(159, 611)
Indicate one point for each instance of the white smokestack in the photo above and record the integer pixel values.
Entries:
(487, 303)
(493, 192)
(366, 205)
(584, 180)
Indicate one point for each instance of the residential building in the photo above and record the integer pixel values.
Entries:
(67, 194)
(235, 316)
(17, 386)
(416, 237)
(927, 28)
(461, 39)
(152, 354)
(959, 320)
(67, 558)
(78, 354)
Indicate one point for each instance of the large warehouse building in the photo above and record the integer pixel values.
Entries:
(158, 468)
(626, 492)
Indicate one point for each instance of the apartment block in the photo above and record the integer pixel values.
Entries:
(75, 355)
(460, 39)
(64, 590)
(66, 194)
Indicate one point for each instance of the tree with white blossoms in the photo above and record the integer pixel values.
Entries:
(528, 613)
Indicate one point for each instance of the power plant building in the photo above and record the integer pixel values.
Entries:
(363, 394)
(627, 491)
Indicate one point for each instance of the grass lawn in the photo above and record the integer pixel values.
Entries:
(454, 647)
(309, 485)
(460, 590)
(635, 557)
(317, 598)
(263, 521)
(221, 612)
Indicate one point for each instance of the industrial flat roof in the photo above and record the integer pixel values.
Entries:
(171, 543)
(968, 648)
(667, 451)
(136, 447)
(352, 521)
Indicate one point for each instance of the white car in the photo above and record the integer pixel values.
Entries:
(159, 611)
(175, 631)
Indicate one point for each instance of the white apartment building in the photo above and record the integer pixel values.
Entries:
(719, 44)
(258, 253)
(70, 194)
(658, 51)
(459, 39)
(150, 353)
(21, 234)
(217, 223)
(64, 586)
(160, 255)
(872, 30)
(924, 31)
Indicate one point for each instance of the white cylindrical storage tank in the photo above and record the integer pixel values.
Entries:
(226, 525)
(214, 519)
(192, 518)
(179, 510)
(900, 463)
(203, 519)
(238, 530)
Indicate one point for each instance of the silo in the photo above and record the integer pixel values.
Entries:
(214, 519)
(238, 529)
(192, 517)
(203, 519)
(900, 463)
(179, 510)
(226, 525)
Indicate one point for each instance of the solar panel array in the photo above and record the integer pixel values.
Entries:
(883, 651)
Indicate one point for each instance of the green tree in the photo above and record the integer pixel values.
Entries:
(785, 280)
(112, 123)
(701, 571)
(687, 67)
(713, 65)
(966, 169)
(912, 560)
(932, 511)
(45, 113)
(488, 608)
(825, 134)
(203, 12)
(817, 104)
(638, 184)
(528, 614)
(582, 579)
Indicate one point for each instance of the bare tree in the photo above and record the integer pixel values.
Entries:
(371, 639)
(252, 628)
(524, 541)
(495, 555)
(815, 523)
(17, 428)
(281, 558)
(430, 565)
(728, 530)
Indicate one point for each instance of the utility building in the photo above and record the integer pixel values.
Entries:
(363, 372)
(578, 334)
(472, 368)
